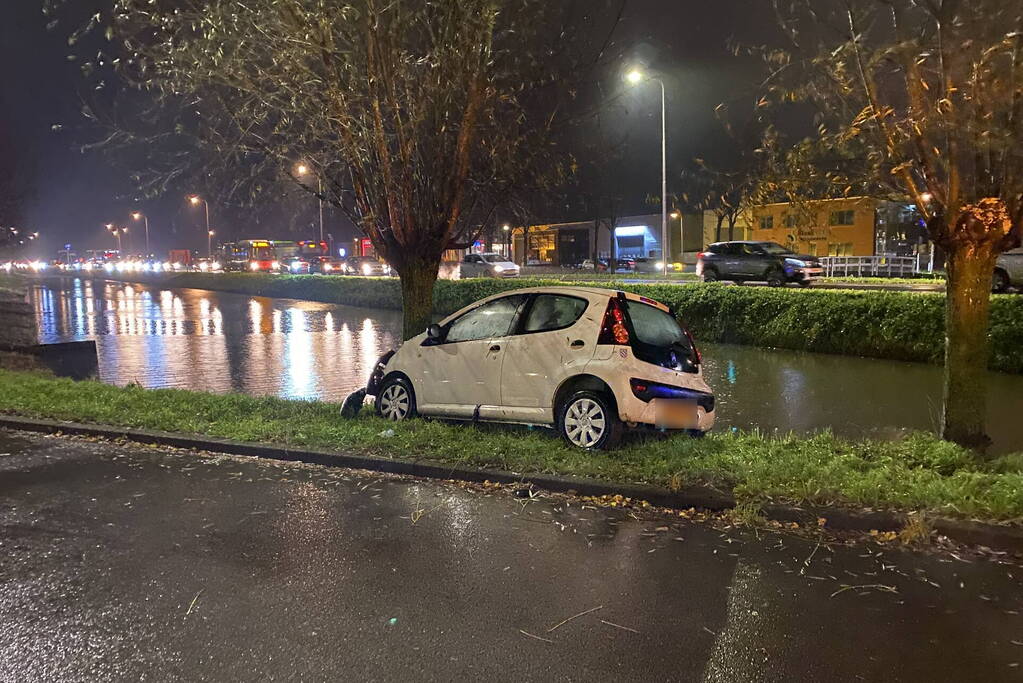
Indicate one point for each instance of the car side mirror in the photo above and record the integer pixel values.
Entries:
(434, 332)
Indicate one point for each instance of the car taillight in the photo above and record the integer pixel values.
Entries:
(701, 255)
(613, 330)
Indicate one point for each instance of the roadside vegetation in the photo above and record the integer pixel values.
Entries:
(919, 472)
(906, 326)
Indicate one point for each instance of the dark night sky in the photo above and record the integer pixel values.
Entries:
(72, 194)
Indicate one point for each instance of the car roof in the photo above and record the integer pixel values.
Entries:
(567, 290)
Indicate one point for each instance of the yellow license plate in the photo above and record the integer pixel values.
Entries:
(675, 414)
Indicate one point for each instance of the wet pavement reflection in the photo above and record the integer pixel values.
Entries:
(213, 341)
(130, 563)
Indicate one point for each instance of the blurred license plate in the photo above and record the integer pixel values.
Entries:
(675, 414)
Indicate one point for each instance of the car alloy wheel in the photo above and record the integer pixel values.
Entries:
(775, 278)
(395, 401)
(710, 275)
(587, 420)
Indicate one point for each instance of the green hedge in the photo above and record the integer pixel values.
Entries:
(879, 324)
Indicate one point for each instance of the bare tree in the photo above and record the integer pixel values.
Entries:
(919, 99)
(417, 118)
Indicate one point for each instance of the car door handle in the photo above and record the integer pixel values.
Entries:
(578, 344)
(495, 347)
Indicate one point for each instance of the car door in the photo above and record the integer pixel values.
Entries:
(470, 266)
(463, 371)
(730, 262)
(753, 261)
(554, 340)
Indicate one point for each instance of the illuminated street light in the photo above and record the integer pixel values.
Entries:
(927, 197)
(635, 77)
(196, 200)
(209, 243)
(138, 215)
(302, 170)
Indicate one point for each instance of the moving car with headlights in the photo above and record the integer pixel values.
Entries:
(487, 265)
(588, 362)
(366, 266)
(1008, 271)
(317, 255)
(757, 261)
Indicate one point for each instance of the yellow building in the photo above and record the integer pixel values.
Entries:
(854, 226)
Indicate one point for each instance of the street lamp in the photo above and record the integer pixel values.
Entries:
(138, 215)
(195, 200)
(507, 240)
(209, 243)
(302, 170)
(116, 233)
(636, 77)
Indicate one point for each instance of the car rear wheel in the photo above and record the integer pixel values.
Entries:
(710, 275)
(589, 420)
(999, 281)
(396, 400)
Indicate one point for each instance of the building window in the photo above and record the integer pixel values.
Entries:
(766, 222)
(843, 217)
(840, 249)
(792, 220)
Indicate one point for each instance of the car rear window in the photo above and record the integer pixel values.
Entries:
(659, 339)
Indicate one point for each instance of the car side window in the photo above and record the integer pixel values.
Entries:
(553, 312)
(493, 319)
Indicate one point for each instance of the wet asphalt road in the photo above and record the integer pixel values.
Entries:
(129, 563)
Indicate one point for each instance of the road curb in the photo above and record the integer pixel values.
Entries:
(998, 537)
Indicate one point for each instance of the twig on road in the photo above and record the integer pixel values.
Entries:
(624, 628)
(194, 600)
(878, 586)
(562, 623)
(530, 635)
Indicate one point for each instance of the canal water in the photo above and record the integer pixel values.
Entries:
(220, 342)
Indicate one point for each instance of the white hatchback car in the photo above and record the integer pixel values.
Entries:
(487, 265)
(588, 362)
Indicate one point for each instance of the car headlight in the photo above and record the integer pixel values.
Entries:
(254, 265)
(795, 262)
(216, 265)
(659, 265)
(275, 265)
(366, 269)
(327, 267)
(498, 269)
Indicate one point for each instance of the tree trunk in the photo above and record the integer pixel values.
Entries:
(967, 305)
(721, 220)
(731, 228)
(417, 281)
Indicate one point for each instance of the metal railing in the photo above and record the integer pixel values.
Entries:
(885, 265)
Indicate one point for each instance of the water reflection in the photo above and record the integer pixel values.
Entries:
(222, 342)
(215, 341)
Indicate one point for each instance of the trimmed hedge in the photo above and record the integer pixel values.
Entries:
(879, 324)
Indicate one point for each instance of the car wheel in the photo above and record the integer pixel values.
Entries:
(396, 400)
(804, 283)
(710, 275)
(589, 420)
(775, 278)
(999, 281)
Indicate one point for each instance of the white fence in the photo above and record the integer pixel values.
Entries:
(885, 265)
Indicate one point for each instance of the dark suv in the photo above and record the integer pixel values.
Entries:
(759, 261)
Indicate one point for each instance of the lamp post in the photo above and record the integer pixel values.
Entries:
(507, 240)
(635, 77)
(117, 234)
(302, 170)
(138, 215)
(195, 200)
(209, 243)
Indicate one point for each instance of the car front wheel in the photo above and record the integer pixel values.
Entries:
(396, 400)
(999, 281)
(589, 420)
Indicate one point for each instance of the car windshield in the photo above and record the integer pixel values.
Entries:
(659, 339)
(492, 258)
(773, 248)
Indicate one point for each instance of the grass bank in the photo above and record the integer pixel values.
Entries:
(878, 324)
(917, 473)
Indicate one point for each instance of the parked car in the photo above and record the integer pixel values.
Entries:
(365, 265)
(1008, 271)
(599, 266)
(757, 261)
(588, 362)
(487, 265)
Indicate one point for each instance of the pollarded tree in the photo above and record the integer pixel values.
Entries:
(415, 117)
(920, 99)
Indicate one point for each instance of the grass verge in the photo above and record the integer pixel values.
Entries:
(917, 473)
